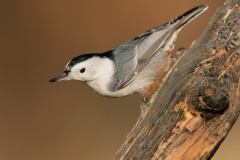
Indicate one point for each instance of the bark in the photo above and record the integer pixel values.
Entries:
(198, 101)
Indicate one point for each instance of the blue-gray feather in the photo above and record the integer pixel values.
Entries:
(131, 57)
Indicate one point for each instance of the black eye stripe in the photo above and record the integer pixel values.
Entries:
(82, 70)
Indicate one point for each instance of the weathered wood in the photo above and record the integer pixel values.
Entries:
(198, 100)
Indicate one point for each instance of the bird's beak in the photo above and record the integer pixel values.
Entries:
(59, 78)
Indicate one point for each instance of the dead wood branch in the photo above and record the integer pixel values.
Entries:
(199, 99)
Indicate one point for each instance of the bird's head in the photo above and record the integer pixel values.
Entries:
(87, 67)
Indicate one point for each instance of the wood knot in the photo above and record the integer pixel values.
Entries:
(209, 94)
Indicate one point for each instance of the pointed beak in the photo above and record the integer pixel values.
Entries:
(59, 78)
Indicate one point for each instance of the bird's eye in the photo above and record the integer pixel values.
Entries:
(82, 70)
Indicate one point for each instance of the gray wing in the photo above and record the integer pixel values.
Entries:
(131, 57)
(126, 61)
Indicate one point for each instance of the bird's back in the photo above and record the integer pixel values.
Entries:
(132, 57)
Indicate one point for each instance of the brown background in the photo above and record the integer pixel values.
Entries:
(67, 120)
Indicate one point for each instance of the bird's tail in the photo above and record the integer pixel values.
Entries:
(188, 16)
(175, 26)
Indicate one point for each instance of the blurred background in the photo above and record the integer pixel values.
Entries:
(68, 120)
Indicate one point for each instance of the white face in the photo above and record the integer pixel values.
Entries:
(85, 71)
(94, 68)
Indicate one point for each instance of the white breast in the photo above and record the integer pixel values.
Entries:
(105, 72)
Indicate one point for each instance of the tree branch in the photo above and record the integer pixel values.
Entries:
(198, 100)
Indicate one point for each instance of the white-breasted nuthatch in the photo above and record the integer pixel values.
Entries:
(133, 66)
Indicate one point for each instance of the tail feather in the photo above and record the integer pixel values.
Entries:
(189, 15)
(179, 23)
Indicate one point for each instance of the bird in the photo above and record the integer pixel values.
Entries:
(133, 66)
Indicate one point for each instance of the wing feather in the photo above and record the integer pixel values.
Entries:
(131, 57)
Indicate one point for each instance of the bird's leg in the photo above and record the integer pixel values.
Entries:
(149, 91)
(180, 52)
(146, 100)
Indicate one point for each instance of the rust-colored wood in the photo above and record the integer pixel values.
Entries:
(198, 100)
